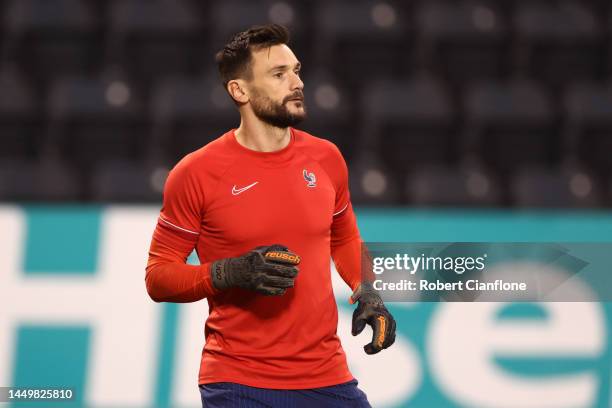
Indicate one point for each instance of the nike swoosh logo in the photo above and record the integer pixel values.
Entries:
(236, 191)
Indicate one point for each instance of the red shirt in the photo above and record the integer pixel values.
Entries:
(225, 199)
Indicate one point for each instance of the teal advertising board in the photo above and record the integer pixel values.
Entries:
(78, 316)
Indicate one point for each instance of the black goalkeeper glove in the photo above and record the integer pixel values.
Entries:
(268, 270)
(372, 310)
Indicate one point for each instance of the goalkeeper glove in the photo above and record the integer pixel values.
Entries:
(268, 270)
(372, 310)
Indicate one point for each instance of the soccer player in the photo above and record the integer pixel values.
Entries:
(265, 206)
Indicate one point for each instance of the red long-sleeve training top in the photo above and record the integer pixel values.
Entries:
(225, 199)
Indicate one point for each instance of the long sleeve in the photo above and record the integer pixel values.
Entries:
(168, 278)
(347, 248)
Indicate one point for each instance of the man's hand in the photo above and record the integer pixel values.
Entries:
(372, 310)
(268, 270)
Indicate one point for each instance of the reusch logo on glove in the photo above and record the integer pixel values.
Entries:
(283, 256)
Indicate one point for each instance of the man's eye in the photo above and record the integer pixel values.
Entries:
(278, 75)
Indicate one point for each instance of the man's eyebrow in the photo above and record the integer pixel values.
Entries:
(284, 67)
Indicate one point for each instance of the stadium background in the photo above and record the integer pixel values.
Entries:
(460, 120)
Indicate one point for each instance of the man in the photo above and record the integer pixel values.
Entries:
(242, 201)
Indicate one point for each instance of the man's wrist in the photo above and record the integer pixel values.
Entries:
(363, 288)
(218, 272)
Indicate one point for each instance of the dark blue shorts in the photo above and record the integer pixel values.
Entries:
(225, 394)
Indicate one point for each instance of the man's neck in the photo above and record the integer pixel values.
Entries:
(262, 137)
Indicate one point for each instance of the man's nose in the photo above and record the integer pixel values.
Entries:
(297, 82)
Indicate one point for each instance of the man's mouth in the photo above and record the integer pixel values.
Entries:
(299, 98)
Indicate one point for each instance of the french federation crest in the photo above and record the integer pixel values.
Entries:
(311, 179)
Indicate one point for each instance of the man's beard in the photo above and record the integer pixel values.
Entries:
(277, 114)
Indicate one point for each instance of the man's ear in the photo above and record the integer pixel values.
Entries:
(238, 91)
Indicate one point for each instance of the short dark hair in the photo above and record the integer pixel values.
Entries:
(234, 60)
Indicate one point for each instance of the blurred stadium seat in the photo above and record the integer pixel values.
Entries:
(91, 119)
(20, 124)
(542, 187)
(558, 41)
(152, 38)
(511, 123)
(452, 187)
(588, 107)
(464, 40)
(370, 35)
(127, 181)
(63, 36)
(371, 183)
(409, 122)
(49, 180)
(187, 113)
